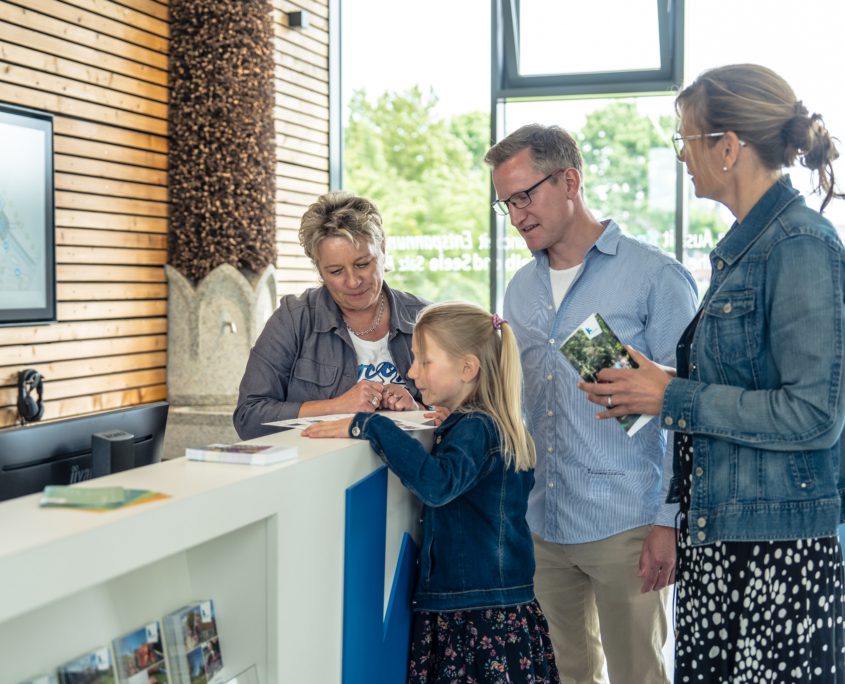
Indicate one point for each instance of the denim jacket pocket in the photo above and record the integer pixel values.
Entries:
(315, 373)
(803, 473)
(731, 319)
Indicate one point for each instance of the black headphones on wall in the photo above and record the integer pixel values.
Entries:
(30, 408)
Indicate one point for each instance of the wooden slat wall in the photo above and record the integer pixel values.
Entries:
(302, 132)
(100, 66)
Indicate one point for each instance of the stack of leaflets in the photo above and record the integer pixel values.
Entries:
(593, 346)
(192, 645)
(247, 454)
(95, 667)
(139, 656)
(95, 498)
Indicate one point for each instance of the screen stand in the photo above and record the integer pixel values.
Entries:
(111, 452)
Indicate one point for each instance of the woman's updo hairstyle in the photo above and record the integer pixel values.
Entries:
(761, 108)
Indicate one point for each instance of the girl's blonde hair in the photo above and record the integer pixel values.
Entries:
(461, 328)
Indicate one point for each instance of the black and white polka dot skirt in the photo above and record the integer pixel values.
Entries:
(759, 611)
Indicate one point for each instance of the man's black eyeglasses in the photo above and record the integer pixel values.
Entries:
(521, 199)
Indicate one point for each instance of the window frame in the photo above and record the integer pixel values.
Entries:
(508, 83)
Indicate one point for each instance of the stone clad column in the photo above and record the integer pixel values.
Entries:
(211, 329)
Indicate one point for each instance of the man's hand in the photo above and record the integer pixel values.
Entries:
(657, 560)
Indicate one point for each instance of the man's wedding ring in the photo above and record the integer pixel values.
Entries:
(374, 401)
(609, 401)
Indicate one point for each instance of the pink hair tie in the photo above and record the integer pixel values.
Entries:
(497, 321)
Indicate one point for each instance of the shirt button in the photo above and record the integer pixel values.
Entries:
(701, 536)
(356, 431)
(551, 340)
(550, 377)
(699, 471)
(682, 423)
(727, 308)
(551, 485)
(668, 420)
(551, 307)
(438, 439)
(692, 368)
(702, 521)
(720, 265)
(549, 449)
(550, 413)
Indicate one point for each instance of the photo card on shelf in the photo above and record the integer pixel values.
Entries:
(94, 667)
(139, 656)
(49, 678)
(192, 644)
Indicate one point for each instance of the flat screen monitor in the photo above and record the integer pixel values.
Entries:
(27, 217)
(60, 452)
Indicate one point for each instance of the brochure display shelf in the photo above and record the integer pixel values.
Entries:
(264, 542)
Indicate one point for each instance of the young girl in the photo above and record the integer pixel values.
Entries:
(475, 615)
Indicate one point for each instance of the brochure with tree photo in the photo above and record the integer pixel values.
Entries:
(593, 346)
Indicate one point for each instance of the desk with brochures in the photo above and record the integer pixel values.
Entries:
(264, 542)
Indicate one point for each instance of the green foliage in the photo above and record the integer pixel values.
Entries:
(427, 177)
(617, 142)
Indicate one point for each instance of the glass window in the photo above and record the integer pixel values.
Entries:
(416, 125)
(416, 116)
(783, 46)
(580, 51)
(629, 163)
(548, 48)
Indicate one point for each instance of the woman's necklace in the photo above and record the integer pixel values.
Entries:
(376, 322)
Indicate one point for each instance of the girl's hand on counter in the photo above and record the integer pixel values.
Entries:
(329, 428)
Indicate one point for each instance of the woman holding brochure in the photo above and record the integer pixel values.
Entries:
(757, 404)
(342, 347)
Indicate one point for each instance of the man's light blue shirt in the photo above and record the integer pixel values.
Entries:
(592, 479)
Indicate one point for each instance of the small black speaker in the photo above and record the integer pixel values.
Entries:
(111, 452)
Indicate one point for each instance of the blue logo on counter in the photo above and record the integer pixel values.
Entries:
(375, 641)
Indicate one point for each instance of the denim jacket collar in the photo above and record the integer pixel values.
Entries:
(327, 315)
(742, 235)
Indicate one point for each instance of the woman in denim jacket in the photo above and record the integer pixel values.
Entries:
(757, 405)
(475, 615)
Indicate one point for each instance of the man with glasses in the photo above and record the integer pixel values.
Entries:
(603, 535)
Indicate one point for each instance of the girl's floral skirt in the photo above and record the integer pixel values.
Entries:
(487, 646)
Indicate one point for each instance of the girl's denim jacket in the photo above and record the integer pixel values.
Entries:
(476, 545)
(764, 396)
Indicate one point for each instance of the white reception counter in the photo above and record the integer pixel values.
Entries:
(266, 543)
